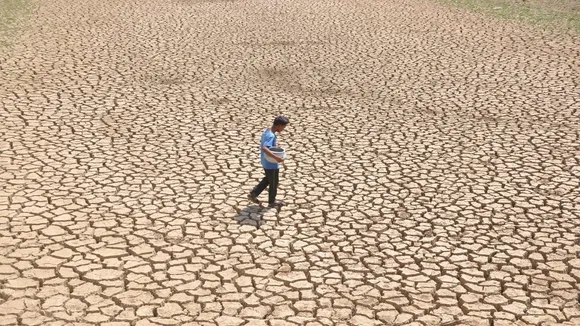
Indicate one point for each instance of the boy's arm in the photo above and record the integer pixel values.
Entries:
(269, 141)
(269, 153)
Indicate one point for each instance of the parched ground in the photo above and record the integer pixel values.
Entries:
(433, 174)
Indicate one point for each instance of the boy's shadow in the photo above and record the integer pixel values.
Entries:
(252, 215)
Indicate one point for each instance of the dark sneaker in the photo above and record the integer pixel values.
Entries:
(278, 205)
(254, 199)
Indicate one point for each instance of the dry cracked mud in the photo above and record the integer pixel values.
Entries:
(432, 179)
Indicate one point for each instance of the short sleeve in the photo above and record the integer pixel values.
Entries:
(269, 140)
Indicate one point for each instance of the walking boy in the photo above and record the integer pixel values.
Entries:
(272, 169)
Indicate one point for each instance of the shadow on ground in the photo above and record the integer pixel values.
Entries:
(252, 215)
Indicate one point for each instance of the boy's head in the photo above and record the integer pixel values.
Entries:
(280, 123)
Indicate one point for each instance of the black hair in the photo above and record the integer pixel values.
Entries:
(281, 121)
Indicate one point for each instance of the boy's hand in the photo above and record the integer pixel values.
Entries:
(279, 159)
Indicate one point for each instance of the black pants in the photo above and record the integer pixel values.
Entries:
(271, 180)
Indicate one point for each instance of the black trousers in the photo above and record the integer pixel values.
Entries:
(270, 181)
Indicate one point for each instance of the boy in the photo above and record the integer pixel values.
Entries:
(272, 169)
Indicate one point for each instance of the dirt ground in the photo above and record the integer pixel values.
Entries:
(432, 174)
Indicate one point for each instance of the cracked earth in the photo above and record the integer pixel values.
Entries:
(432, 178)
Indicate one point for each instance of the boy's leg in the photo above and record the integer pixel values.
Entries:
(272, 176)
(260, 187)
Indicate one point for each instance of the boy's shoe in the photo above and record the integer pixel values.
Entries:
(254, 199)
(278, 205)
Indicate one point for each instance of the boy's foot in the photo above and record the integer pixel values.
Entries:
(277, 205)
(254, 199)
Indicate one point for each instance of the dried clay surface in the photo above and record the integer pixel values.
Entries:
(432, 174)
